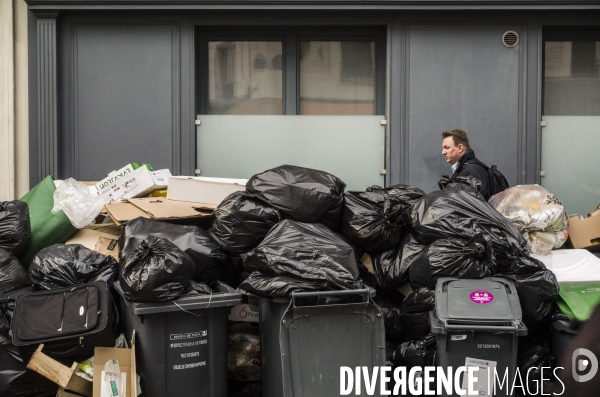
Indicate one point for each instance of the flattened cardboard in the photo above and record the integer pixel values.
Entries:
(585, 233)
(104, 240)
(126, 359)
(122, 212)
(157, 208)
(160, 208)
(202, 189)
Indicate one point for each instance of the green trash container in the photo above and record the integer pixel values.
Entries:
(578, 274)
(181, 345)
(306, 339)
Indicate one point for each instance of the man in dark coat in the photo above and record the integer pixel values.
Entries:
(458, 153)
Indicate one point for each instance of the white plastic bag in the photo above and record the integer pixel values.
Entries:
(537, 214)
(79, 204)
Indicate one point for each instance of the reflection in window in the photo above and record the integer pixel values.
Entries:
(277, 62)
(260, 62)
(337, 77)
(240, 80)
(572, 78)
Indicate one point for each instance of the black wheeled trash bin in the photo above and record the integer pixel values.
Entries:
(181, 345)
(306, 339)
(477, 323)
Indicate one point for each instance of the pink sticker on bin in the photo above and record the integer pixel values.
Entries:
(481, 297)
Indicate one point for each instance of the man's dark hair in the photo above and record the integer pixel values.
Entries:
(458, 136)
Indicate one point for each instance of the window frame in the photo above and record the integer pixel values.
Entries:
(290, 38)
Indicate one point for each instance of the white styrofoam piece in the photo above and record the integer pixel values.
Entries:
(572, 266)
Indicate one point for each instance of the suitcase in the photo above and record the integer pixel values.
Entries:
(69, 321)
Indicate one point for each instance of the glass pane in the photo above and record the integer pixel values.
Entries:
(337, 77)
(245, 77)
(328, 143)
(570, 159)
(572, 78)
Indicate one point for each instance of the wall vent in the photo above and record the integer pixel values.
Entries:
(510, 39)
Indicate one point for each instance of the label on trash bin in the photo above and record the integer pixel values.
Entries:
(484, 375)
(481, 297)
(188, 351)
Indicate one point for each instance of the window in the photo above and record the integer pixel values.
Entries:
(238, 79)
(303, 71)
(572, 78)
(337, 77)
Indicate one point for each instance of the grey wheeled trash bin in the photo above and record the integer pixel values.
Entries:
(306, 339)
(181, 345)
(477, 323)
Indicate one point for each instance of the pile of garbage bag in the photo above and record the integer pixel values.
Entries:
(373, 219)
(156, 271)
(208, 258)
(305, 251)
(242, 222)
(301, 194)
(244, 357)
(69, 265)
(537, 214)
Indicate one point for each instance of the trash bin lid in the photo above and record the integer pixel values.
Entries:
(225, 296)
(490, 300)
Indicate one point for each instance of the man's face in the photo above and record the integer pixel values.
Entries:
(451, 151)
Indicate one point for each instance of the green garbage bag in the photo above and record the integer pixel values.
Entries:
(46, 228)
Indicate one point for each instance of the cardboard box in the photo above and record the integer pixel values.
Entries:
(65, 393)
(60, 374)
(246, 313)
(585, 233)
(157, 208)
(113, 177)
(126, 359)
(203, 189)
(104, 240)
(137, 183)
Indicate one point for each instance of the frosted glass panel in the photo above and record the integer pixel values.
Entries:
(350, 147)
(571, 161)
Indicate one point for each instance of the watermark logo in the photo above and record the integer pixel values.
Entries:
(584, 360)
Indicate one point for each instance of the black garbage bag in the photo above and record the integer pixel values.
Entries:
(15, 379)
(391, 268)
(301, 194)
(414, 353)
(453, 257)
(242, 222)
(392, 318)
(415, 313)
(456, 213)
(15, 227)
(243, 358)
(156, 271)
(373, 220)
(245, 389)
(388, 269)
(537, 292)
(535, 353)
(306, 251)
(208, 257)
(67, 265)
(7, 307)
(268, 286)
(12, 274)
(467, 183)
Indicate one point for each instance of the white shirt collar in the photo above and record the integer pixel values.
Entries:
(454, 167)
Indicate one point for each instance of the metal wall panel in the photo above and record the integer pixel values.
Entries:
(462, 76)
(124, 99)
